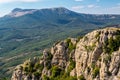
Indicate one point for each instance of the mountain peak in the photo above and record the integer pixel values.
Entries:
(16, 10)
(61, 9)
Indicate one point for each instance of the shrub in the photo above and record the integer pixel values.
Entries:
(55, 71)
(25, 69)
(88, 69)
(109, 73)
(48, 65)
(79, 37)
(81, 77)
(97, 35)
(31, 68)
(112, 44)
(68, 40)
(37, 74)
(70, 45)
(45, 78)
(50, 56)
(71, 66)
(38, 66)
(95, 72)
(89, 48)
(93, 65)
(107, 59)
(70, 78)
(85, 38)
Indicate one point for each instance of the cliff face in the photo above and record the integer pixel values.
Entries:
(96, 56)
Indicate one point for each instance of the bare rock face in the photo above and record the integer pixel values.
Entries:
(96, 56)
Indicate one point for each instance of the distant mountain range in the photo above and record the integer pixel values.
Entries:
(24, 31)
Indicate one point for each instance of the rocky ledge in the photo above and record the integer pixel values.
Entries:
(96, 56)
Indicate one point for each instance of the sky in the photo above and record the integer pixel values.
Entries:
(81, 6)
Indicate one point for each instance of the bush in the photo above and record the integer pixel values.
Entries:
(25, 69)
(38, 66)
(112, 44)
(37, 74)
(55, 71)
(93, 65)
(107, 59)
(89, 47)
(79, 37)
(97, 35)
(95, 72)
(45, 78)
(81, 77)
(70, 45)
(71, 66)
(50, 56)
(88, 69)
(109, 73)
(70, 78)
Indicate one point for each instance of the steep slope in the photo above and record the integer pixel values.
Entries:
(26, 25)
(26, 32)
(96, 56)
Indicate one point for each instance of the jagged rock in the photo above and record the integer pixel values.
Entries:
(95, 57)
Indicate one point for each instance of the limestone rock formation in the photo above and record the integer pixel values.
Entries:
(96, 56)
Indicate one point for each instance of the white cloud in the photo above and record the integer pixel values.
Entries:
(78, 0)
(91, 6)
(78, 7)
(8, 1)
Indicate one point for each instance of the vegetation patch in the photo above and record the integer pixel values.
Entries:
(33, 68)
(70, 45)
(96, 72)
(89, 47)
(88, 69)
(107, 59)
(71, 66)
(55, 71)
(81, 77)
(112, 45)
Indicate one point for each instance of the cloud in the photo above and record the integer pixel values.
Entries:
(98, 0)
(9, 1)
(92, 6)
(78, 0)
(78, 7)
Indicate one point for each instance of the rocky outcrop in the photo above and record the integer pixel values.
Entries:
(96, 56)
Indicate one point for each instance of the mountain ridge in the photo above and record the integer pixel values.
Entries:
(62, 9)
(95, 56)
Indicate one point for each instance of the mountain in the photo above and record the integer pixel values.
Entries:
(24, 25)
(26, 32)
(95, 56)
